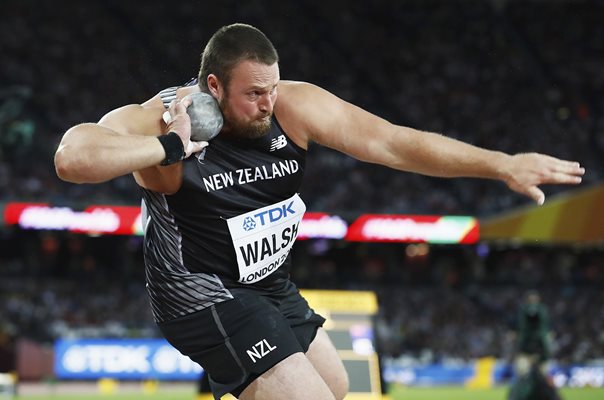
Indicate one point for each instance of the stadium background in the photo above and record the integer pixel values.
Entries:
(517, 75)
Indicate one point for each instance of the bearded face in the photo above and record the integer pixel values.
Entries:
(247, 99)
(241, 127)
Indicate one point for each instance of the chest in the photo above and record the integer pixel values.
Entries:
(237, 176)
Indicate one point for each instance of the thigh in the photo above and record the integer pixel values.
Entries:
(294, 378)
(235, 341)
(324, 357)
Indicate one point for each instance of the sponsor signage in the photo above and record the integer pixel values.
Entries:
(413, 229)
(578, 376)
(429, 375)
(441, 374)
(122, 359)
(321, 225)
(124, 220)
(95, 219)
(263, 238)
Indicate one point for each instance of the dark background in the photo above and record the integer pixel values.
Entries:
(515, 76)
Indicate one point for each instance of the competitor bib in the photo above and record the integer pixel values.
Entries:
(264, 237)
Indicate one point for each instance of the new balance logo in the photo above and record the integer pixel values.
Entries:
(278, 143)
(259, 350)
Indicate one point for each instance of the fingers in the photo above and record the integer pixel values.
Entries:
(177, 119)
(195, 147)
(536, 194)
(564, 172)
(167, 117)
(570, 167)
(178, 107)
(175, 108)
(563, 178)
(534, 169)
(172, 108)
(186, 102)
(200, 145)
(556, 171)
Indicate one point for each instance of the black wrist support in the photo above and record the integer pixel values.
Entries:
(173, 147)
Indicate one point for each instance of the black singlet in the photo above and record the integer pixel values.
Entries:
(190, 257)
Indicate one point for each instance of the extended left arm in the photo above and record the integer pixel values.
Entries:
(350, 129)
(436, 155)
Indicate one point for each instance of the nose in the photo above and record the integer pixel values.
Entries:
(265, 105)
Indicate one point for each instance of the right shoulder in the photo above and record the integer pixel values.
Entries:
(137, 119)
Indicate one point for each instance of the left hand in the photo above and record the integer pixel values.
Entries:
(526, 171)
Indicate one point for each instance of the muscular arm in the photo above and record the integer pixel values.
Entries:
(123, 141)
(335, 123)
(92, 153)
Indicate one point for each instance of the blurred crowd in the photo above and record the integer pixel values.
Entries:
(441, 303)
(498, 74)
(472, 323)
(437, 303)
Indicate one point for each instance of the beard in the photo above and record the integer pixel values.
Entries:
(244, 130)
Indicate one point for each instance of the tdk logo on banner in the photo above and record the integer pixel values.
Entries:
(270, 215)
(123, 358)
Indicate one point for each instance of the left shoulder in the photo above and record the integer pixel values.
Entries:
(302, 108)
(298, 94)
(289, 109)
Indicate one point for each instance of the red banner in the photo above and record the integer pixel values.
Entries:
(126, 220)
(320, 225)
(96, 219)
(413, 229)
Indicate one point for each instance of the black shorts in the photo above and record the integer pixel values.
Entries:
(237, 340)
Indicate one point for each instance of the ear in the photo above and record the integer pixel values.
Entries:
(214, 86)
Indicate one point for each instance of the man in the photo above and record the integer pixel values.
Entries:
(533, 349)
(220, 224)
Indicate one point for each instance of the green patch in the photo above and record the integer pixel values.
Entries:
(396, 393)
(498, 393)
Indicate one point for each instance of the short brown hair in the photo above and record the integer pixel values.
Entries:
(229, 46)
